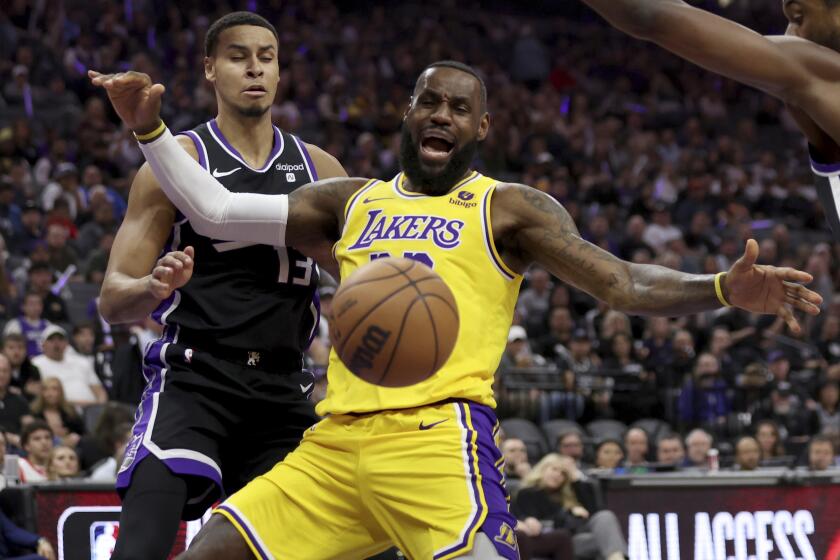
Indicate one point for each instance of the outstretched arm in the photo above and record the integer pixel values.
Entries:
(308, 219)
(786, 67)
(533, 227)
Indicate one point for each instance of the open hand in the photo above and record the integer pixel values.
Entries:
(172, 271)
(771, 290)
(135, 98)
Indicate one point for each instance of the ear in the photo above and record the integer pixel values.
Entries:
(210, 68)
(483, 127)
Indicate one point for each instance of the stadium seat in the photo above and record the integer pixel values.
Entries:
(553, 428)
(606, 429)
(528, 433)
(653, 427)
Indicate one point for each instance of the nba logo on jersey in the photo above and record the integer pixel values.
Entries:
(290, 177)
(103, 538)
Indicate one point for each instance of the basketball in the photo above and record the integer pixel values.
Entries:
(395, 322)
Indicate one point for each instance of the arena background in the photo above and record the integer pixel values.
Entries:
(656, 160)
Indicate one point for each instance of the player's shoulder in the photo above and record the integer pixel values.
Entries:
(326, 164)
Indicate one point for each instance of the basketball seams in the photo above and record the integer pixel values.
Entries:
(399, 336)
(379, 304)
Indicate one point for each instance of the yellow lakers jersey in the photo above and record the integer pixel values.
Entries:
(452, 234)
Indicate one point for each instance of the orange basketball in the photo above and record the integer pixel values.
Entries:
(394, 322)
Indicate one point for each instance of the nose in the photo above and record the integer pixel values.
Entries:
(254, 69)
(442, 115)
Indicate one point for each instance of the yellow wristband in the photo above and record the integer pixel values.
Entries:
(149, 136)
(719, 289)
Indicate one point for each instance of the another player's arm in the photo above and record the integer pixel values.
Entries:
(128, 292)
(789, 68)
(532, 227)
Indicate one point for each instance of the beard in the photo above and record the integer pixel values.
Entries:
(252, 112)
(434, 183)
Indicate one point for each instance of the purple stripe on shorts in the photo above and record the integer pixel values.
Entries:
(499, 523)
(247, 529)
(135, 451)
(183, 465)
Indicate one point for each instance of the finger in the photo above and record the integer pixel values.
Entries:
(171, 261)
(807, 307)
(787, 315)
(797, 291)
(156, 91)
(793, 275)
(190, 251)
(159, 287)
(749, 257)
(162, 273)
(181, 256)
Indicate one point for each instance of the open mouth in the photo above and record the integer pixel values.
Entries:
(435, 147)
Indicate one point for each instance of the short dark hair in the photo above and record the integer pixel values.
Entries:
(463, 68)
(31, 428)
(821, 438)
(234, 19)
(13, 337)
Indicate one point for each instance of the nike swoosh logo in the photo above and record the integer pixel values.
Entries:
(368, 200)
(305, 388)
(432, 425)
(219, 174)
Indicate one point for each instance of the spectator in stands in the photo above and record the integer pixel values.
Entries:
(704, 400)
(778, 364)
(518, 353)
(52, 407)
(621, 356)
(828, 406)
(821, 453)
(105, 471)
(40, 281)
(30, 233)
(747, 454)
(555, 490)
(829, 341)
(30, 323)
(720, 346)
(769, 440)
(658, 349)
(533, 302)
(83, 343)
(81, 385)
(608, 454)
(13, 408)
(698, 443)
(683, 358)
(63, 464)
(570, 444)
(12, 536)
(25, 376)
(65, 186)
(516, 458)
(579, 358)
(785, 408)
(560, 326)
(101, 443)
(62, 256)
(37, 441)
(670, 450)
(636, 444)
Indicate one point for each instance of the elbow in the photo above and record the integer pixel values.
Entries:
(107, 309)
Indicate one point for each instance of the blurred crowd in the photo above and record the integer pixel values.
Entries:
(657, 162)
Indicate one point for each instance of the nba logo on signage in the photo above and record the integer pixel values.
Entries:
(103, 538)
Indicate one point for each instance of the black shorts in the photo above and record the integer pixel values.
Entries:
(217, 422)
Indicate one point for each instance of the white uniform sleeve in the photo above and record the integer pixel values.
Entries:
(213, 210)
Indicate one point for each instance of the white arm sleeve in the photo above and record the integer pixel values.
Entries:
(213, 210)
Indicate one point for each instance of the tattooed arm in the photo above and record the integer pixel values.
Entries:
(316, 215)
(531, 227)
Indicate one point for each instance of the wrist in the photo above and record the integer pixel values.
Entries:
(149, 132)
(722, 290)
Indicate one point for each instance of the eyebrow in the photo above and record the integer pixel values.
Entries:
(238, 47)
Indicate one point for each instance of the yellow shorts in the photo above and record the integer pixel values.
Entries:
(425, 480)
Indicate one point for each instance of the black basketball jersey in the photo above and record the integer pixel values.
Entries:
(244, 296)
(827, 181)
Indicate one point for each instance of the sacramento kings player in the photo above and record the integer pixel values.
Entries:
(797, 67)
(226, 396)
